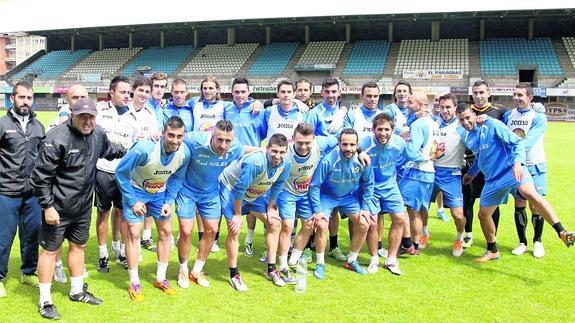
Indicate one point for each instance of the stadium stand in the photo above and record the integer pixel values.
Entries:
(367, 58)
(53, 64)
(105, 62)
(569, 43)
(273, 59)
(159, 59)
(445, 54)
(219, 60)
(501, 56)
(321, 53)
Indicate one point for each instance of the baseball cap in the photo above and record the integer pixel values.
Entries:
(85, 106)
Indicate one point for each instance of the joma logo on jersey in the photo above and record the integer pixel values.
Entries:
(162, 172)
(285, 126)
(519, 123)
(205, 115)
(305, 168)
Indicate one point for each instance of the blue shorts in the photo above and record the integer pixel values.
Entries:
(289, 203)
(260, 205)
(496, 191)
(208, 206)
(448, 181)
(387, 201)
(347, 205)
(416, 194)
(539, 175)
(153, 202)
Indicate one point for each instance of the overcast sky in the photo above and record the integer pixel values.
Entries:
(27, 15)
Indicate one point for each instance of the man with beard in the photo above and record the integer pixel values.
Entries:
(500, 156)
(384, 147)
(20, 135)
(338, 182)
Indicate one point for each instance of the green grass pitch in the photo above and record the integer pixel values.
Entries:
(435, 286)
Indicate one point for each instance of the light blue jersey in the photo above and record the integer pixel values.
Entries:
(253, 175)
(206, 114)
(416, 184)
(199, 191)
(249, 129)
(320, 118)
(337, 177)
(530, 125)
(399, 116)
(384, 158)
(146, 173)
(422, 137)
(206, 165)
(156, 106)
(295, 194)
(276, 120)
(361, 119)
(253, 181)
(184, 112)
(495, 147)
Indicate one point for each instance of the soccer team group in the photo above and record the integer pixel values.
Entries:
(321, 163)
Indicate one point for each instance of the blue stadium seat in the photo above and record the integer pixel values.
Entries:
(53, 64)
(500, 56)
(273, 59)
(367, 58)
(165, 59)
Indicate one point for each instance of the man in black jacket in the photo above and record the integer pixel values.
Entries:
(63, 180)
(20, 135)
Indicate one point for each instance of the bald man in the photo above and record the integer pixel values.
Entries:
(75, 93)
(416, 184)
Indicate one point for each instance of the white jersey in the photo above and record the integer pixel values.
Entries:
(362, 124)
(109, 119)
(284, 125)
(153, 176)
(206, 118)
(521, 124)
(63, 111)
(142, 123)
(301, 171)
(454, 147)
